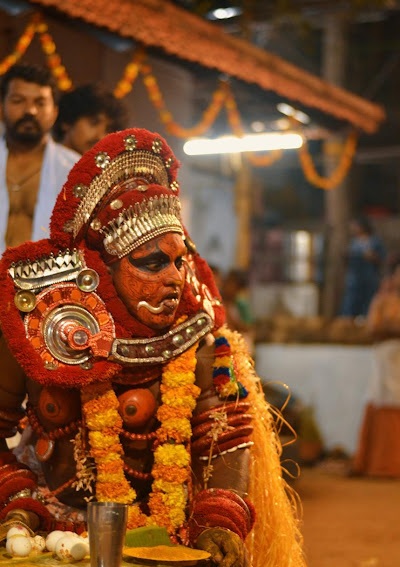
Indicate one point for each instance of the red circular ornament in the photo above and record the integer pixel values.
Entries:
(59, 406)
(136, 407)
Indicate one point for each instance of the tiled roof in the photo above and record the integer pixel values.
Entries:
(158, 23)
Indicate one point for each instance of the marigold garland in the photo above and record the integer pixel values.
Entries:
(235, 123)
(125, 84)
(222, 97)
(171, 469)
(341, 170)
(100, 411)
(22, 45)
(209, 116)
(53, 59)
(169, 497)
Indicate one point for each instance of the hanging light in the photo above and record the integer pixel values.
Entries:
(224, 13)
(223, 10)
(247, 143)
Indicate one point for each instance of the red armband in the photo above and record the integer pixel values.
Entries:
(30, 505)
(218, 507)
(15, 478)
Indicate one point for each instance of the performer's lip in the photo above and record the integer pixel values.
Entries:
(170, 304)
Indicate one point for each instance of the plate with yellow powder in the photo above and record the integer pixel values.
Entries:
(166, 555)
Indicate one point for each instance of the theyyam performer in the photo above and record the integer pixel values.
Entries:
(114, 348)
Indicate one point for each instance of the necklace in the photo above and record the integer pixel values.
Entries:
(171, 469)
(16, 186)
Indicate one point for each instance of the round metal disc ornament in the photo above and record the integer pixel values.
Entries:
(54, 331)
(25, 300)
(87, 280)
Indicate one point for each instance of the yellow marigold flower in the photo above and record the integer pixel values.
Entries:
(102, 440)
(177, 429)
(106, 453)
(175, 498)
(172, 455)
(106, 418)
(177, 517)
(184, 365)
(183, 401)
(175, 379)
(111, 490)
(106, 476)
(165, 486)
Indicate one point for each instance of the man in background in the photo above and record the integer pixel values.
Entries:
(87, 114)
(33, 168)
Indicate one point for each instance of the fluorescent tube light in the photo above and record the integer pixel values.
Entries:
(289, 110)
(247, 143)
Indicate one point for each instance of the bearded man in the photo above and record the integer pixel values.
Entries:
(137, 391)
(33, 168)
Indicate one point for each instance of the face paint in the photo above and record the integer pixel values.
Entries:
(150, 280)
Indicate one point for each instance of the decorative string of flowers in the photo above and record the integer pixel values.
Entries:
(224, 376)
(22, 45)
(222, 97)
(209, 116)
(235, 123)
(342, 168)
(129, 76)
(53, 59)
(104, 423)
(171, 469)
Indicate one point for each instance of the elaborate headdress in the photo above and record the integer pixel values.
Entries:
(119, 195)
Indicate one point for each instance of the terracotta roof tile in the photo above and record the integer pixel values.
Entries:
(160, 24)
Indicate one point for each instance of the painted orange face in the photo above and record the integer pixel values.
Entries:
(150, 280)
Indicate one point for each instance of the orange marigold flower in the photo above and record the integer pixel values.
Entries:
(165, 412)
(136, 518)
(170, 473)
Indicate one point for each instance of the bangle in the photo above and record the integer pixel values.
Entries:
(24, 493)
(29, 505)
(13, 479)
(220, 508)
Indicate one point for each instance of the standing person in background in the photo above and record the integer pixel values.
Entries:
(33, 167)
(86, 114)
(365, 258)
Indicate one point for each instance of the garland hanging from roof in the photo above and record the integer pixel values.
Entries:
(222, 97)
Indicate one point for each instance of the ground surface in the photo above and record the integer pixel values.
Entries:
(349, 521)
